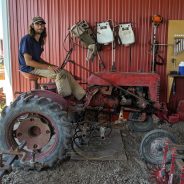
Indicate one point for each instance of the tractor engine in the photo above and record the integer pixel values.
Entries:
(111, 99)
(106, 98)
(128, 100)
(119, 99)
(111, 105)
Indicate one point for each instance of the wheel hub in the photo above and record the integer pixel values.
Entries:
(34, 132)
(157, 145)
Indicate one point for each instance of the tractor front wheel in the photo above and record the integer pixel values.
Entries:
(142, 126)
(152, 145)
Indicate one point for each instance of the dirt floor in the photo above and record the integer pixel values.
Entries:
(131, 171)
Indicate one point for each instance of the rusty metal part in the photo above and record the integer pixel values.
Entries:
(156, 145)
(113, 83)
(172, 167)
(125, 101)
(141, 103)
(177, 146)
(89, 96)
(140, 117)
(107, 90)
(159, 176)
(102, 132)
(16, 153)
(6, 166)
(103, 118)
(177, 159)
(1, 160)
(104, 101)
(121, 115)
(163, 176)
(84, 129)
(36, 133)
(131, 109)
(182, 176)
(101, 63)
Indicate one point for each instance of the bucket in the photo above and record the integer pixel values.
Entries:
(181, 68)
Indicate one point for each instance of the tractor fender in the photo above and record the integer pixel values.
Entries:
(51, 95)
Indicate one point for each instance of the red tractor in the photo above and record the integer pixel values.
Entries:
(46, 122)
(41, 127)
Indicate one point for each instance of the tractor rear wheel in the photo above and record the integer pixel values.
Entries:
(152, 145)
(41, 124)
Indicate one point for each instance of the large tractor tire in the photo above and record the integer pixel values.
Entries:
(41, 124)
(152, 145)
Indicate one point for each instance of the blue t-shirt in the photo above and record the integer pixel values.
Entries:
(32, 47)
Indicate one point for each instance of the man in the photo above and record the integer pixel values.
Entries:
(30, 61)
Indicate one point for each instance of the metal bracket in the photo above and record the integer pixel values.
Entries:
(6, 165)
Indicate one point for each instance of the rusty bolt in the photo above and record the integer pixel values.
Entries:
(19, 134)
(47, 131)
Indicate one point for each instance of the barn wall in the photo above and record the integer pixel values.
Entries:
(62, 14)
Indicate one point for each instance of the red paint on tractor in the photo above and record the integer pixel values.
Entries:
(150, 80)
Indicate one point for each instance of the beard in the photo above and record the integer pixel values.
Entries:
(39, 31)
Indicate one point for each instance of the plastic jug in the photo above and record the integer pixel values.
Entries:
(181, 68)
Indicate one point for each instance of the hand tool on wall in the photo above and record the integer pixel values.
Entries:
(101, 63)
(105, 36)
(113, 67)
(178, 44)
(156, 58)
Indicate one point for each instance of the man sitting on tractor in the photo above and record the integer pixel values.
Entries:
(30, 61)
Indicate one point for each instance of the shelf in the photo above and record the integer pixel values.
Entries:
(174, 76)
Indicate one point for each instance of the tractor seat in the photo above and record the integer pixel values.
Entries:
(32, 78)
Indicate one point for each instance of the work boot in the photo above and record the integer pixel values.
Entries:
(85, 101)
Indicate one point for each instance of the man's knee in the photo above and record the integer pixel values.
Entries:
(61, 75)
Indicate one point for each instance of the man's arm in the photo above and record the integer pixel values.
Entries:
(30, 62)
(44, 65)
(44, 62)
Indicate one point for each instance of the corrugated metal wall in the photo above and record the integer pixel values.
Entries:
(62, 14)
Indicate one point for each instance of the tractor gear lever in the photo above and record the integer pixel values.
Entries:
(67, 58)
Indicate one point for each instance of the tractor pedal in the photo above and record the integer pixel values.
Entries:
(89, 96)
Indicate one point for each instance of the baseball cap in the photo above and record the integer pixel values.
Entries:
(38, 19)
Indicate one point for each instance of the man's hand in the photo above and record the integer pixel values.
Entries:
(54, 68)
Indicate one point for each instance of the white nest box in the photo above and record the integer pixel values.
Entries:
(104, 33)
(126, 34)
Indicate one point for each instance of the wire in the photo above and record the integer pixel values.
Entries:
(65, 41)
(91, 131)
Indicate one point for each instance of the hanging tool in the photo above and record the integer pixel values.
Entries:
(101, 63)
(113, 67)
(83, 31)
(178, 44)
(105, 36)
(156, 58)
(174, 86)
